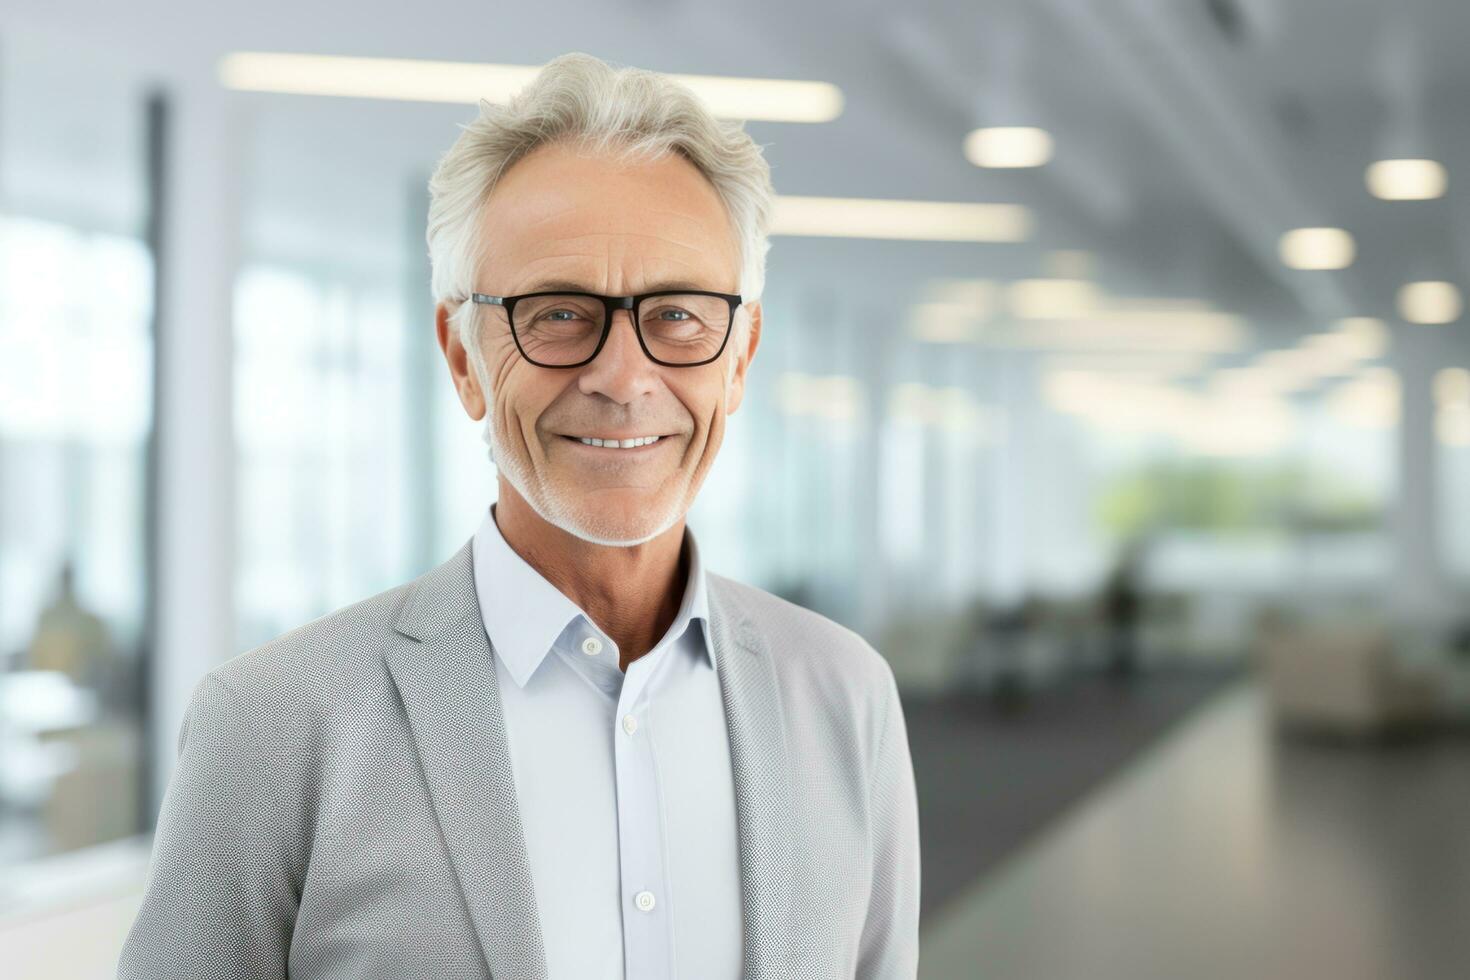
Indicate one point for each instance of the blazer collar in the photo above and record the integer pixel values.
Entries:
(442, 662)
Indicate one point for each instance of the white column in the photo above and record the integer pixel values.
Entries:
(1009, 498)
(1420, 591)
(201, 231)
(875, 359)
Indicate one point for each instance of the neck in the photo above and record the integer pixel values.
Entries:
(631, 593)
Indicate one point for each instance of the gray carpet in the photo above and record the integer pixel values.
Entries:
(990, 775)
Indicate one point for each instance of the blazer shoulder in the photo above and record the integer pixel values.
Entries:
(803, 638)
(320, 657)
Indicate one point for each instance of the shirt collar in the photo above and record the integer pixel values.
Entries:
(524, 614)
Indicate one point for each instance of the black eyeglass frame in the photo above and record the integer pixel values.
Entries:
(609, 304)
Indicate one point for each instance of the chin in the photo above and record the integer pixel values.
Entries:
(619, 518)
(603, 522)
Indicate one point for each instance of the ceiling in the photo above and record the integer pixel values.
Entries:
(1190, 134)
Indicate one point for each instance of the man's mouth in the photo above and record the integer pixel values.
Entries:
(634, 442)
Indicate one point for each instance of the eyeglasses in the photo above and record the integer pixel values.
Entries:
(677, 328)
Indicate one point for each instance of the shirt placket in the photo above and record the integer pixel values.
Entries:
(647, 919)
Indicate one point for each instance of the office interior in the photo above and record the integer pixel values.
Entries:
(1114, 384)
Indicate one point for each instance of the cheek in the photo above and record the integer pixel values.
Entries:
(517, 405)
(707, 402)
(716, 429)
(501, 363)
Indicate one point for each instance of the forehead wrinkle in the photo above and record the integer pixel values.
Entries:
(602, 250)
(609, 236)
(576, 265)
(600, 261)
(578, 212)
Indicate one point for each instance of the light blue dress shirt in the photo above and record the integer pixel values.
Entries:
(624, 781)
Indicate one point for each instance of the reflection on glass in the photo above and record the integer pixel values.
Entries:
(325, 480)
(73, 429)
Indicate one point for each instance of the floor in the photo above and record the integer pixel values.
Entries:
(1229, 851)
(991, 774)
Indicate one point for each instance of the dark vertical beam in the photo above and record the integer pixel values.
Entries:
(156, 123)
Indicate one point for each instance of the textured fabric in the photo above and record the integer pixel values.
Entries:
(611, 813)
(344, 802)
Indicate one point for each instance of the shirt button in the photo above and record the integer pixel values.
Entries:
(644, 901)
(630, 724)
(592, 646)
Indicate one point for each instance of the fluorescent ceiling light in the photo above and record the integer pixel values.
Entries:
(1231, 425)
(1328, 354)
(1364, 337)
(1317, 248)
(1078, 315)
(1262, 380)
(1132, 330)
(768, 99)
(938, 322)
(1075, 391)
(837, 397)
(1429, 302)
(1370, 401)
(950, 407)
(1052, 299)
(976, 296)
(1290, 362)
(935, 221)
(1227, 421)
(1452, 426)
(1406, 180)
(1249, 380)
(952, 311)
(1161, 304)
(1008, 146)
(1452, 387)
(1130, 363)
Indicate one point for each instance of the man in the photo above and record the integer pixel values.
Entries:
(569, 751)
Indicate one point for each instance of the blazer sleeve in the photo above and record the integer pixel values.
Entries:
(889, 947)
(222, 892)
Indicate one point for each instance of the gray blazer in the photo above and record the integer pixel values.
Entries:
(343, 803)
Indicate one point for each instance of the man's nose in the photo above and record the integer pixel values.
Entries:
(620, 370)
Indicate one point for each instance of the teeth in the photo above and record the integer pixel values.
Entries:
(624, 444)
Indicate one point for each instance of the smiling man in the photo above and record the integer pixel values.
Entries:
(569, 751)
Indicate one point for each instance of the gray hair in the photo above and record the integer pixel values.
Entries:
(629, 111)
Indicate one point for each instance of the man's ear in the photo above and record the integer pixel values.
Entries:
(466, 385)
(744, 356)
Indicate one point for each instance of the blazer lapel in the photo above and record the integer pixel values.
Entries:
(762, 774)
(443, 667)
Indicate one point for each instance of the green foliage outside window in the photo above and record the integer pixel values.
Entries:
(1228, 496)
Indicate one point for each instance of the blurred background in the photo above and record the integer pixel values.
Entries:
(1115, 385)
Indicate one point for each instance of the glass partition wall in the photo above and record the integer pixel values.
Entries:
(76, 419)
